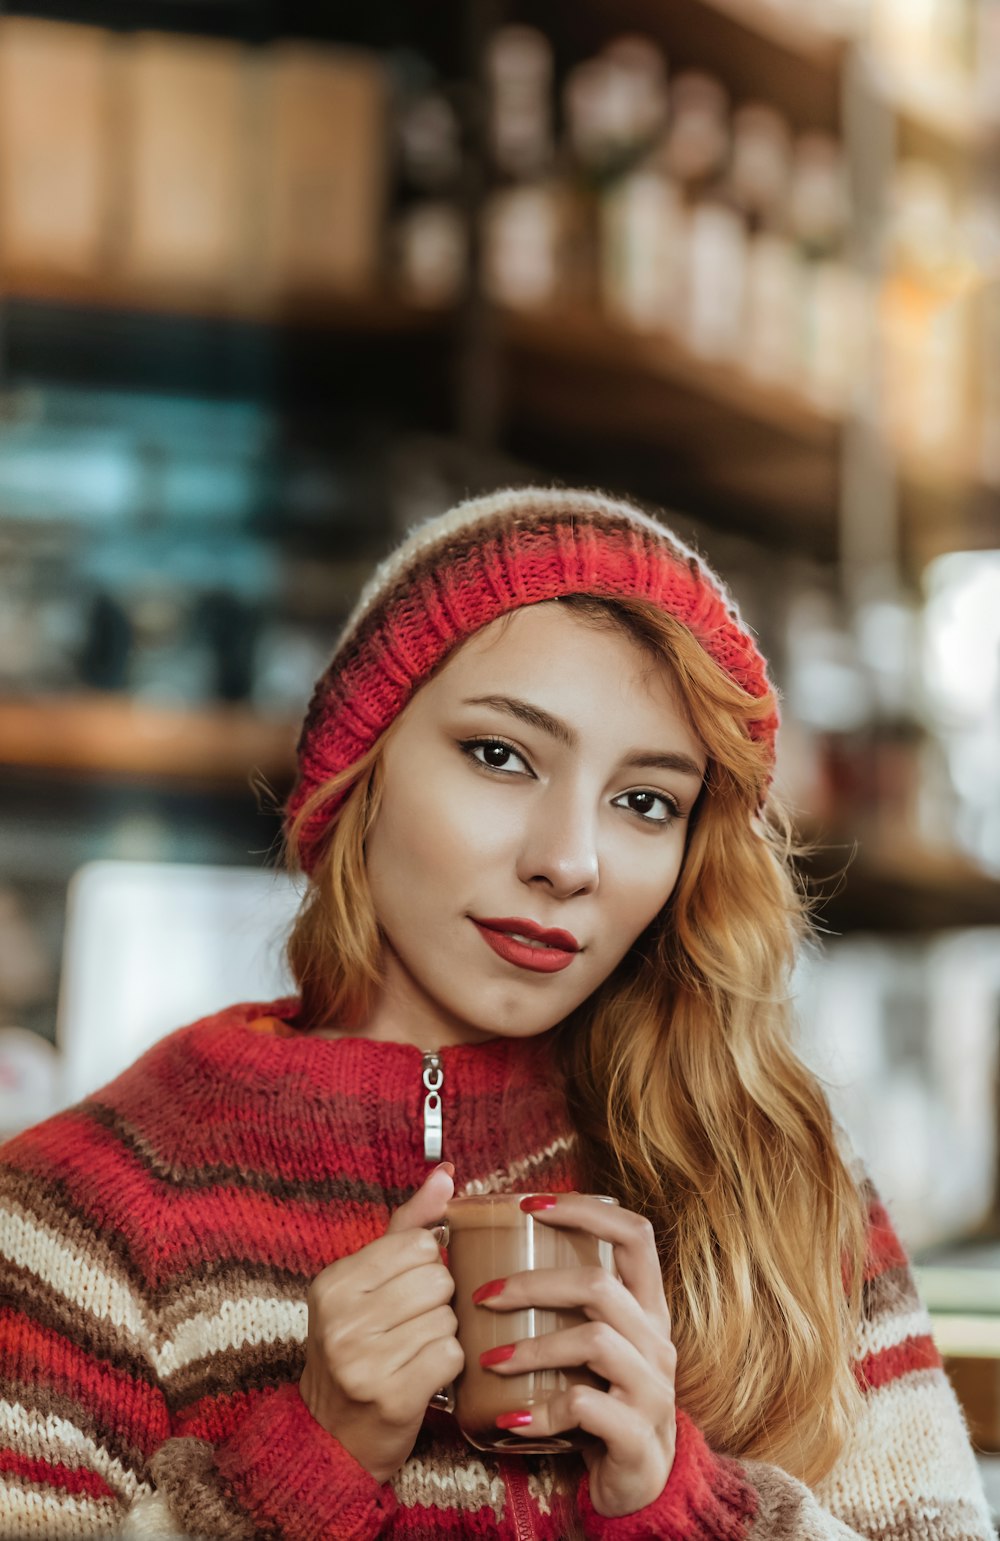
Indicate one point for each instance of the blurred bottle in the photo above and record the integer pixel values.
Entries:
(696, 153)
(979, 236)
(106, 650)
(172, 663)
(230, 627)
(760, 183)
(760, 169)
(523, 230)
(429, 239)
(519, 118)
(641, 228)
(924, 331)
(834, 332)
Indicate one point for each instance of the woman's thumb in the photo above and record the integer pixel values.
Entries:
(426, 1207)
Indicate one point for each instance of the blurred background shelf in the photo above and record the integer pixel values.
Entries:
(365, 311)
(864, 887)
(105, 735)
(761, 452)
(764, 51)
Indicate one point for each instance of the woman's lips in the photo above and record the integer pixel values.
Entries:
(543, 960)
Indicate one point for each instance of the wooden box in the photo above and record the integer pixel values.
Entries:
(187, 109)
(55, 149)
(321, 169)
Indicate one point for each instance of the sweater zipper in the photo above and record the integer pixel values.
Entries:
(433, 1079)
(518, 1502)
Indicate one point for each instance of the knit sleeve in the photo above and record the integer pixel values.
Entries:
(278, 1474)
(87, 1443)
(908, 1473)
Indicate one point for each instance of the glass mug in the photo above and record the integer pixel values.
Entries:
(489, 1236)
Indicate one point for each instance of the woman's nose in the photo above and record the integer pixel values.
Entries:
(560, 848)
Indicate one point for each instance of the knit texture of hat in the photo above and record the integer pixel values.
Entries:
(457, 572)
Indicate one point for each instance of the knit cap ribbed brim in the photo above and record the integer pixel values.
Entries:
(457, 572)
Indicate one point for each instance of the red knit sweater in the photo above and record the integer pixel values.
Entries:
(156, 1245)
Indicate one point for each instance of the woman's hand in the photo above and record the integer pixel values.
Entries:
(626, 1341)
(381, 1336)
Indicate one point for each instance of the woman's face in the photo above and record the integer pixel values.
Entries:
(544, 776)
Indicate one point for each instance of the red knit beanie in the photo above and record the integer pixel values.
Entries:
(455, 573)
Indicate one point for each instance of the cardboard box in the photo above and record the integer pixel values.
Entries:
(323, 154)
(55, 148)
(187, 116)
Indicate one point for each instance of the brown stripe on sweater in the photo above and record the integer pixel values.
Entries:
(51, 1404)
(225, 1283)
(250, 1368)
(953, 1521)
(81, 1329)
(783, 1506)
(339, 1188)
(185, 1473)
(893, 1293)
(165, 1169)
(49, 1201)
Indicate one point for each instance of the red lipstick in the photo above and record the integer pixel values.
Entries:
(557, 952)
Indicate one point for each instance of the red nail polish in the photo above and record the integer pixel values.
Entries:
(537, 1201)
(497, 1355)
(513, 1420)
(487, 1291)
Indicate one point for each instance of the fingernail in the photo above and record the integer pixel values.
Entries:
(487, 1291)
(538, 1201)
(446, 1166)
(513, 1420)
(497, 1355)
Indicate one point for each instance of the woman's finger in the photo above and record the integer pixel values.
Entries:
(622, 1429)
(631, 1236)
(643, 1381)
(592, 1290)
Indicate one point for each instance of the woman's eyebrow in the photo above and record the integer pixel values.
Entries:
(536, 717)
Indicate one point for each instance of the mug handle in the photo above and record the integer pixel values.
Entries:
(445, 1398)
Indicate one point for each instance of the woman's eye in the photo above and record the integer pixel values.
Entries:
(493, 753)
(653, 807)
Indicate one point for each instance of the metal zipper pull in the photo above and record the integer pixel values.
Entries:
(433, 1080)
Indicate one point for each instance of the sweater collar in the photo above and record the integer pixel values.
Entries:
(502, 1106)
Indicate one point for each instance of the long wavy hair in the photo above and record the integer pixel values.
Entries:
(690, 1103)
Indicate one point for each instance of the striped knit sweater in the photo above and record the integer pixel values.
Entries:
(157, 1242)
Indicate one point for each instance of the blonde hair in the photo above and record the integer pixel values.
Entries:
(691, 1105)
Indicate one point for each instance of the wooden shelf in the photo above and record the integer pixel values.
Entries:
(762, 51)
(365, 311)
(732, 446)
(117, 736)
(909, 890)
(939, 109)
(587, 340)
(787, 31)
(763, 452)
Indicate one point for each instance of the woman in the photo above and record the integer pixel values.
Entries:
(548, 881)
